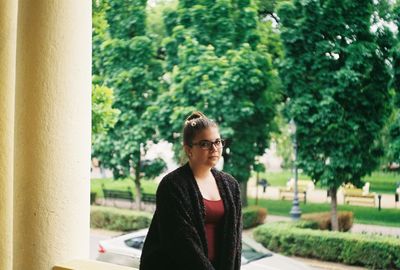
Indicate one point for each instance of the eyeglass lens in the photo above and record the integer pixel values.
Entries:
(209, 144)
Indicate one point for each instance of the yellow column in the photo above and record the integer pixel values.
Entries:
(8, 34)
(52, 133)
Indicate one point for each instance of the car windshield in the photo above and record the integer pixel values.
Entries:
(136, 242)
(250, 254)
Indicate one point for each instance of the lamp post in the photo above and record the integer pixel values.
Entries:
(295, 212)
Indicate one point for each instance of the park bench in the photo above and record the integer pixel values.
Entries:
(287, 193)
(358, 196)
(149, 198)
(118, 194)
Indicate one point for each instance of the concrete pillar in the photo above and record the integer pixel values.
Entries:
(8, 35)
(52, 133)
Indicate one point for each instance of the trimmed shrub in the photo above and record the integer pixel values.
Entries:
(253, 216)
(93, 197)
(371, 251)
(306, 224)
(345, 219)
(118, 219)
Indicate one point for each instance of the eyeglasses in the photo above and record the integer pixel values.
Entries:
(205, 144)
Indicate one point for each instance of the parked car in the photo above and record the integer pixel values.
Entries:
(126, 250)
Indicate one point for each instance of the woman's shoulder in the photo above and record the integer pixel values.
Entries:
(228, 178)
(175, 177)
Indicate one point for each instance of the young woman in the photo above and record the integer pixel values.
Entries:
(197, 223)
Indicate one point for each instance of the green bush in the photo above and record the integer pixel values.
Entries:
(118, 219)
(371, 251)
(253, 216)
(93, 197)
(345, 219)
(305, 224)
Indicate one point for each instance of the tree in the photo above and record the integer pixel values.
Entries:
(394, 126)
(336, 78)
(216, 64)
(124, 59)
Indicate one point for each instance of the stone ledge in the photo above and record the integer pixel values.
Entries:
(90, 265)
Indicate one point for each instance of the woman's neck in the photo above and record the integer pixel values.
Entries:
(200, 172)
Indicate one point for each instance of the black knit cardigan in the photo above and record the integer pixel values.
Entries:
(176, 238)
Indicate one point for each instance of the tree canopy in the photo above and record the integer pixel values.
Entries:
(124, 59)
(336, 77)
(216, 64)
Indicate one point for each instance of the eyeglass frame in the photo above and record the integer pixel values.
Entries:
(211, 144)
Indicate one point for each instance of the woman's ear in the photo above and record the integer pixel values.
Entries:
(188, 150)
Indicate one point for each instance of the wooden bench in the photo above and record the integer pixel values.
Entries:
(358, 196)
(287, 193)
(118, 194)
(148, 198)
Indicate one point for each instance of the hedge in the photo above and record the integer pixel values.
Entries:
(345, 220)
(371, 251)
(253, 216)
(118, 219)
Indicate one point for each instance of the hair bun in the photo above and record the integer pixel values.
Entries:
(195, 115)
(195, 123)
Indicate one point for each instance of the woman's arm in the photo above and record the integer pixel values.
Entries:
(239, 228)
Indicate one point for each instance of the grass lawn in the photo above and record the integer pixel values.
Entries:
(148, 186)
(363, 215)
(380, 182)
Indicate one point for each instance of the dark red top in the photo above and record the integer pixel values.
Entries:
(214, 214)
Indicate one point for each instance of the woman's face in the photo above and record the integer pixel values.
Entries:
(199, 155)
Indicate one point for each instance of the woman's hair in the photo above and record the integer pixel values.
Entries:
(194, 124)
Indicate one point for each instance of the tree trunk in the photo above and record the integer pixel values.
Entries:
(138, 197)
(334, 218)
(243, 193)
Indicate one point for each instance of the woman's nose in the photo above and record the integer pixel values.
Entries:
(214, 147)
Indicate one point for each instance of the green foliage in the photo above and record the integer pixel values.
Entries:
(118, 219)
(155, 22)
(396, 49)
(304, 224)
(267, 26)
(216, 64)
(154, 168)
(393, 148)
(99, 35)
(103, 115)
(283, 141)
(372, 251)
(124, 59)
(258, 167)
(336, 77)
(253, 216)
